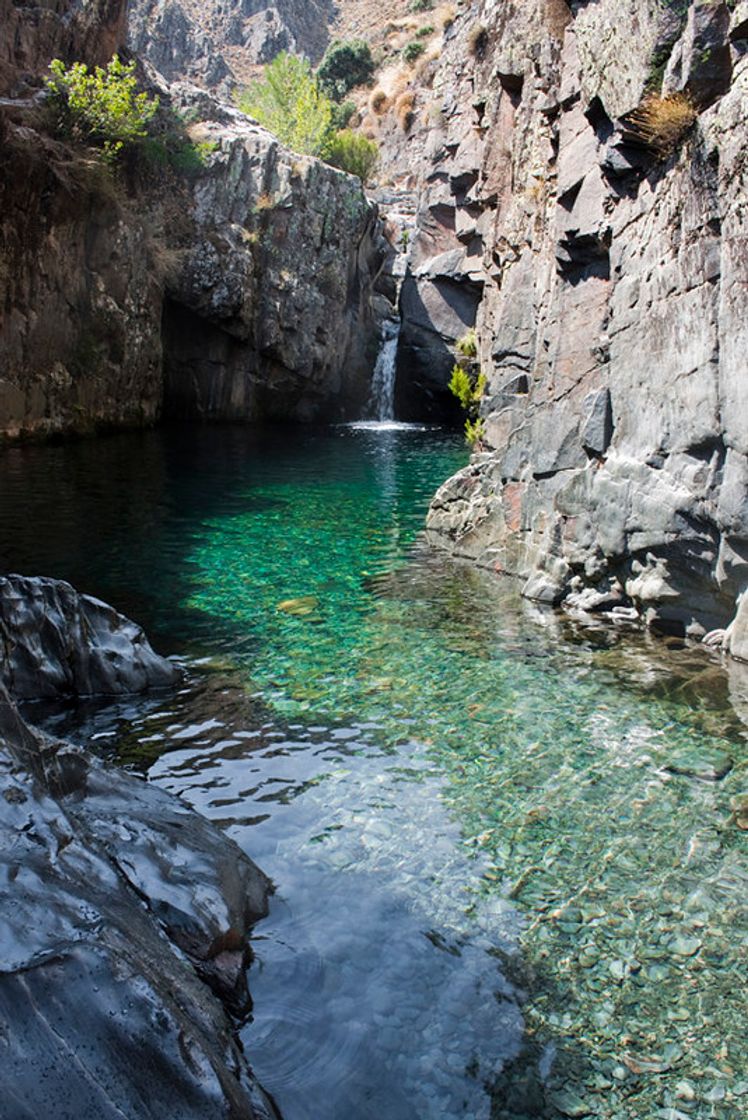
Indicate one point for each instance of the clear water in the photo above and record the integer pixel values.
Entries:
(509, 883)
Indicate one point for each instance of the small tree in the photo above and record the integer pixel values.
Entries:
(345, 65)
(100, 107)
(352, 152)
(290, 104)
(469, 389)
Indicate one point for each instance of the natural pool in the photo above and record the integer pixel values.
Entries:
(510, 883)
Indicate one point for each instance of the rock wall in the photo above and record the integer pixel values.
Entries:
(242, 288)
(34, 32)
(219, 45)
(613, 472)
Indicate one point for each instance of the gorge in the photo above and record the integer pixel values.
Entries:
(493, 775)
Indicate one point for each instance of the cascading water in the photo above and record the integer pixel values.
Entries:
(382, 397)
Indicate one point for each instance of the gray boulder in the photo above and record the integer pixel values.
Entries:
(56, 642)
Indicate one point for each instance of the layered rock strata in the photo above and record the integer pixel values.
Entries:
(125, 916)
(612, 331)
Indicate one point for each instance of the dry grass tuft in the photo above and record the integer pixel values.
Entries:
(370, 127)
(404, 107)
(662, 122)
(477, 41)
(379, 102)
(446, 15)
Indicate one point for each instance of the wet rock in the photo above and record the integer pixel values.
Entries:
(569, 1104)
(55, 642)
(709, 766)
(116, 899)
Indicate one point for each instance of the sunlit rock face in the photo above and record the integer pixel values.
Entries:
(217, 45)
(612, 326)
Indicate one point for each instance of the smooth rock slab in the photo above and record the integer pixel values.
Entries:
(116, 904)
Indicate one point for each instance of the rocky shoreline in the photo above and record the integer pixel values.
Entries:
(125, 915)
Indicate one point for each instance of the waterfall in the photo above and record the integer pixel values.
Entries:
(382, 397)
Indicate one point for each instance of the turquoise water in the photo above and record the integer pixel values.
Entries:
(510, 878)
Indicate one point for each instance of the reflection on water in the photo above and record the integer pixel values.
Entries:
(464, 800)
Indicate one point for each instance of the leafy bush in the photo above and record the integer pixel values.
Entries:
(342, 113)
(290, 104)
(352, 152)
(100, 107)
(662, 122)
(345, 65)
(413, 51)
(421, 5)
(469, 389)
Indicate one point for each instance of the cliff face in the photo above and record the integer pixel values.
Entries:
(611, 324)
(35, 32)
(243, 288)
(215, 44)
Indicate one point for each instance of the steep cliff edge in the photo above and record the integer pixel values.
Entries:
(612, 274)
(243, 287)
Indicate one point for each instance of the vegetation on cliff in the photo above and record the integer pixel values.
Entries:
(100, 107)
(289, 101)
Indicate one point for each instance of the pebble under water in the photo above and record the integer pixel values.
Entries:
(509, 847)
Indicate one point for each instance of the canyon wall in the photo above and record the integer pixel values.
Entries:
(219, 45)
(242, 286)
(612, 274)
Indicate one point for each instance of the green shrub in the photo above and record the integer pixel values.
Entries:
(290, 104)
(352, 152)
(413, 51)
(475, 432)
(342, 113)
(100, 107)
(345, 65)
(421, 6)
(469, 389)
(424, 32)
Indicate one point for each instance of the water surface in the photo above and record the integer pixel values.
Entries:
(510, 882)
